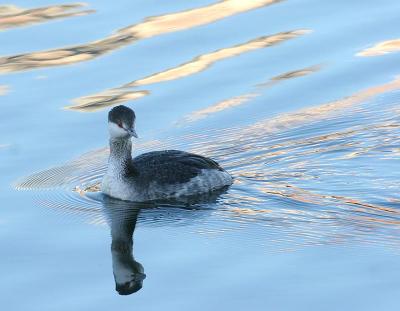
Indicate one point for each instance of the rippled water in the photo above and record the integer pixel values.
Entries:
(298, 100)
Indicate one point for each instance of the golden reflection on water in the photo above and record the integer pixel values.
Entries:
(220, 106)
(385, 47)
(286, 121)
(148, 28)
(305, 196)
(105, 99)
(317, 113)
(191, 18)
(12, 16)
(198, 64)
(242, 99)
(204, 61)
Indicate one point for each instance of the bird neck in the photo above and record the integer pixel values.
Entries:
(120, 153)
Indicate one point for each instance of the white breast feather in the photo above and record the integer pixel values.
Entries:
(208, 180)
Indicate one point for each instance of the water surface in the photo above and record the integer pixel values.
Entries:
(298, 100)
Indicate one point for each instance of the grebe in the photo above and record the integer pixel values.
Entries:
(154, 175)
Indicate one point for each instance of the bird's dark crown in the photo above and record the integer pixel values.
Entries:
(122, 114)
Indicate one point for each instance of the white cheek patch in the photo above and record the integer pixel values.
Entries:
(115, 130)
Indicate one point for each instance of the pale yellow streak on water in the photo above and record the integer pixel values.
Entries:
(241, 99)
(289, 120)
(383, 142)
(104, 99)
(319, 112)
(220, 106)
(150, 27)
(187, 19)
(381, 48)
(12, 16)
(202, 62)
(249, 211)
(305, 196)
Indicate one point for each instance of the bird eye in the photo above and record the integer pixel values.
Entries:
(120, 124)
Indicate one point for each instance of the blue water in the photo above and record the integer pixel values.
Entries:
(298, 100)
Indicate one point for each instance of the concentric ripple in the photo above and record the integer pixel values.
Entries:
(291, 177)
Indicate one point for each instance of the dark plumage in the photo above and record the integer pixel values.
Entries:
(170, 167)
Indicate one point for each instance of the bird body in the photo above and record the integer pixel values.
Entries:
(155, 175)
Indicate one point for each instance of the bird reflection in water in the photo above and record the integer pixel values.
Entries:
(122, 217)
